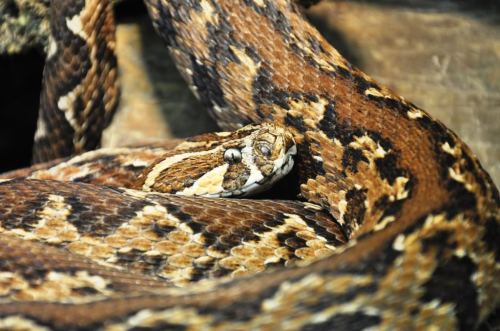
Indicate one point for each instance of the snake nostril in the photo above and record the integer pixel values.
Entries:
(232, 155)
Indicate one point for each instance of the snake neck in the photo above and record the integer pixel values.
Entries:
(367, 155)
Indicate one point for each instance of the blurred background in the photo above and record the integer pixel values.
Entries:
(442, 55)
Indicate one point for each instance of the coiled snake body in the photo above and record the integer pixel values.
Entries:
(419, 213)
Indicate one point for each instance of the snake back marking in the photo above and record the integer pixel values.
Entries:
(398, 227)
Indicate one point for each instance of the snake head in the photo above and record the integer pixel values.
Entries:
(225, 164)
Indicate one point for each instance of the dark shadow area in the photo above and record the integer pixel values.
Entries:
(287, 188)
(20, 82)
(126, 10)
(492, 323)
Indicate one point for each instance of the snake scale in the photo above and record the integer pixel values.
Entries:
(398, 227)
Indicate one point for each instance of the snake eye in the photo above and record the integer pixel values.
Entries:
(232, 155)
(265, 150)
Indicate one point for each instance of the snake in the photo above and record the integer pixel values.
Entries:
(396, 225)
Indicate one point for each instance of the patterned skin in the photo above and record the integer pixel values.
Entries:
(420, 214)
